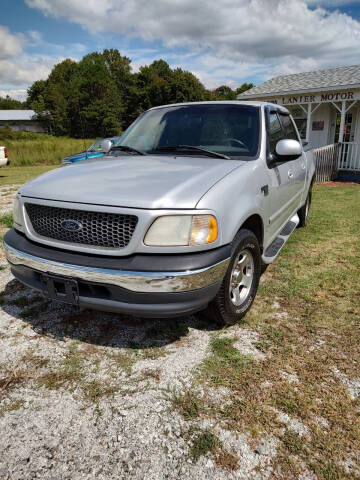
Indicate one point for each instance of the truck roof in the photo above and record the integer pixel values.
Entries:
(228, 102)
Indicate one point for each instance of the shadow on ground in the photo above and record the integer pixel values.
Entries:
(61, 322)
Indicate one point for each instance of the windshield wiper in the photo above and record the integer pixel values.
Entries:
(174, 148)
(127, 149)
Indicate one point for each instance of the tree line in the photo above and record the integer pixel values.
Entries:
(101, 96)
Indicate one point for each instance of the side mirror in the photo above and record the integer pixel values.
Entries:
(106, 145)
(288, 149)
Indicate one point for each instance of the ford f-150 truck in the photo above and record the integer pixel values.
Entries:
(181, 215)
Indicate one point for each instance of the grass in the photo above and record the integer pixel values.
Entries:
(6, 220)
(11, 406)
(307, 317)
(203, 443)
(30, 149)
(19, 175)
(225, 364)
(188, 403)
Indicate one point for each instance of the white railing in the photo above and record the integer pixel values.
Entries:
(326, 162)
(349, 156)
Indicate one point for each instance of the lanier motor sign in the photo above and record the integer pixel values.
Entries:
(320, 98)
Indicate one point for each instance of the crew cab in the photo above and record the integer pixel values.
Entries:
(3, 157)
(182, 215)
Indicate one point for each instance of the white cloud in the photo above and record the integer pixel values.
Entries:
(25, 70)
(17, 94)
(10, 44)
(18, 70)
(275, 31)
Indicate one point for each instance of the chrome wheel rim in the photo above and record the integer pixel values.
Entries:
(242, 276)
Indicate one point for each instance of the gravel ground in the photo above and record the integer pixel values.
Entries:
(7, 195)
(131, 433)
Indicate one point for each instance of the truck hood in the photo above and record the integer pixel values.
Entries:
(148, 182)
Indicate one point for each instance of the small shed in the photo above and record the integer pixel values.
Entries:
(24, 120)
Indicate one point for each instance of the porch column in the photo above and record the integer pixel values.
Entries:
(342, 121)
(308, 121)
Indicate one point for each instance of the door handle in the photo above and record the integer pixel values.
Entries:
(290, 174)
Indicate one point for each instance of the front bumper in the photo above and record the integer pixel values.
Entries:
(145, 292)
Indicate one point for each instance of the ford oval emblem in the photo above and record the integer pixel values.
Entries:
(71, 225)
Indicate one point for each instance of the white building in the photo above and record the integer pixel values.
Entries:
(325, 105)
(21, 120)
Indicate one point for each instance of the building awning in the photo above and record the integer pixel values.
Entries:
(320, 80)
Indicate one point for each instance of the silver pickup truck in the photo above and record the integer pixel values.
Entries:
(181, 216)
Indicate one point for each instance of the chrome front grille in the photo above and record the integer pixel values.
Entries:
(100, 229)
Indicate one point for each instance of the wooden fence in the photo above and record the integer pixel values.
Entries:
(326, 162)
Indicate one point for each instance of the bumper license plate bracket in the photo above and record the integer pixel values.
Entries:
(62, 289)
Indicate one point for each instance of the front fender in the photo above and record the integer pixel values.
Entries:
(237, 197)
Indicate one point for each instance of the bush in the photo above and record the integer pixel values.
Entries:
(27, 148)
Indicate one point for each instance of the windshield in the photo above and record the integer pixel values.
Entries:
(96, 146)
(231, 130)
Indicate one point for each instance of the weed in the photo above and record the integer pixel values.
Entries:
(226, 460)
(149, 373)
(204, 443)
(6, 220)
(11, 407)
(293, 442)
(188, 403)
(70, 372)
(288, 404)
(94, 390)
(16, 377)
(123, 361)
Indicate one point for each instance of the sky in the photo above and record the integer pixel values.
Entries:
(222, 42)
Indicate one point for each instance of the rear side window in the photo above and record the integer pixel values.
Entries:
(275, 131)
(288, 126)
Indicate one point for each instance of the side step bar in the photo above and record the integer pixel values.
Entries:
(274, 248)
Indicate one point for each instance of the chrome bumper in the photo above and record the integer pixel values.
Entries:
(149, 282)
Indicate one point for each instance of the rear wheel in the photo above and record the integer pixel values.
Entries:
(240, 284)
(304, 211)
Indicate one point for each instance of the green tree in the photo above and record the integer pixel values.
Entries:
(120, 71)
(8, 103)
(224, 92)
(95, 106)
(244, 87)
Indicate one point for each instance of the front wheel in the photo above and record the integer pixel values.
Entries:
(240, 284)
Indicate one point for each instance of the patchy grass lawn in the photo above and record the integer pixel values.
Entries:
(277, 396)
(19, 175)
(307, 315)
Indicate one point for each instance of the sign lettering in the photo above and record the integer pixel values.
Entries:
(319, 98)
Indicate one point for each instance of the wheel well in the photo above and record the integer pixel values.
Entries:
(255, 224)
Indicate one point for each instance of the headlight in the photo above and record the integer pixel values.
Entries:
(17, 216)
(182, 230)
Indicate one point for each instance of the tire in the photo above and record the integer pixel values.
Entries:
(228, 308)
(304, 211)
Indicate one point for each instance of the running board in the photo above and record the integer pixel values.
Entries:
(274, 248)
